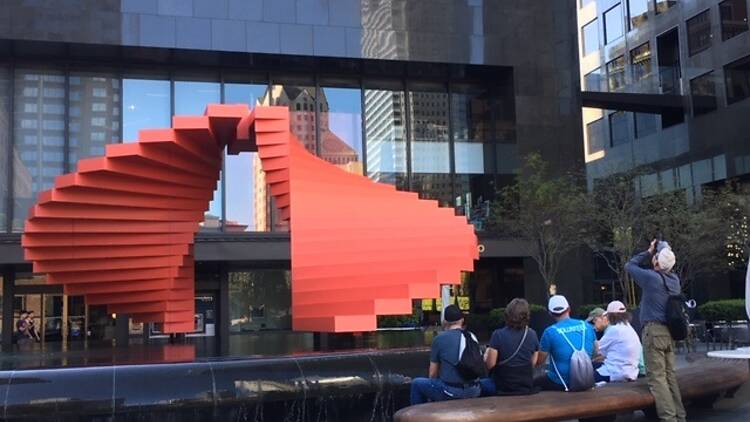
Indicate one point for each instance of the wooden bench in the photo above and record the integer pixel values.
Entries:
(706, 379)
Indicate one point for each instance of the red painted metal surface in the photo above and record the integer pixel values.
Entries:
(120, 229)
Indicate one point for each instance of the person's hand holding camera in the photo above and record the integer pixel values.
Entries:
(652, 247)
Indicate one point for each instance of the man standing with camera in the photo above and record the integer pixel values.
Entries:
(657, 285)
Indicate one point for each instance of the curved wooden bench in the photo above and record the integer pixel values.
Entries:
(704, 379)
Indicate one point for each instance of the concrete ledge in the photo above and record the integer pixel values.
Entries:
(703, 379)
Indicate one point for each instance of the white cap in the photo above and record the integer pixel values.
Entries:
(615, 307)
(666, 259)
(558, 304)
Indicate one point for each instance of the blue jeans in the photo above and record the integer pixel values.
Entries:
(432, 389)
(488, 387)
(597, 376)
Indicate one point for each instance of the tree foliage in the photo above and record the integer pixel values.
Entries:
(544, 209)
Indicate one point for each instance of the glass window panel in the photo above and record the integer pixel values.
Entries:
(720, 167)
(667, 180)
(472, 113)
(97, 122)
(703, 93)
(595, 136)
(593, 81)
(618, 128)
(616, 74)
(5, 158)
(590, 37)
(146, 104)
(613, 24)
(259, 300)
(645, 124)
(733, 18)
(430, 155)
(649, 184)
(737, 76)
(191, 98)
(241, 171)
(699, 32)
(663, 5)
(385, 134)
(638, 12)
(340, 121)
(32, 171)
(702, 172)
(640, 59)
(685, 177)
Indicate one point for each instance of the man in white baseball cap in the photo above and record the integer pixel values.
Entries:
(556, 343)
(657, 284)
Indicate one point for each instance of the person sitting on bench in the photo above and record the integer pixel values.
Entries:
(620, 347)
(445, 382)
(511, 354)
(556, 343)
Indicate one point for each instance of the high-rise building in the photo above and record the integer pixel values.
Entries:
(665, 87)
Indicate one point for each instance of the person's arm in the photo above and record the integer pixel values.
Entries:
(434, 370)
(606, 342)
(490, 358)
(544, 349)
(535, 359)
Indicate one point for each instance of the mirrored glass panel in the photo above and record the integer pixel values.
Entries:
(619, 132)
(473, 148)
(39, 132)
(663, 5)
(616, 74)
(259, 300)
(430, 155)
(595, 136)
(640, 60)
(646, 124)
(594, 80)
(340, 121)
(385, 133)
(94, 114)
(242, 172)
(146, 105)
(191, 98)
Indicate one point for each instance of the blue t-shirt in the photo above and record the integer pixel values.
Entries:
(445, 352)
(558, 349)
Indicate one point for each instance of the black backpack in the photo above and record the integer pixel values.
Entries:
(677, 316)
(470, 363)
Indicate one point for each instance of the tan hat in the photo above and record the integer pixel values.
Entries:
(616, 307)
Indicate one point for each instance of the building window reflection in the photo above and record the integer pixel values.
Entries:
(640, 59)
(146, 105)
(662, 6)
(638, 12)
(191, 98)
(593, 80)
(241, 178)
(385, 132)
(259, 300)
(618, 128)
(94, 114)
(39, 144)
(430, 154)
(595, 136)
(340, 120)
(590, 33)
(613, 24)
(471, 123)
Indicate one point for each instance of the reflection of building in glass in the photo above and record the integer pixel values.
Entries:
(301, 103)
(384, 130)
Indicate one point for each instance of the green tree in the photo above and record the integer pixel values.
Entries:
(546, 210)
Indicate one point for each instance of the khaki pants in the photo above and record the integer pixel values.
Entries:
(658, 349)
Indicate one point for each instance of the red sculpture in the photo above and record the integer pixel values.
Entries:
(120, 230)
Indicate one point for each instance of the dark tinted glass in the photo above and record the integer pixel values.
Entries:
(430, 155)
(640, 59)
(259, 300)
(616, 74)
(703, 93)
(737, 76)
(618, 128)
(733, 18)
(699, 32)
(645, 124)
(595, 136)
(4, 144)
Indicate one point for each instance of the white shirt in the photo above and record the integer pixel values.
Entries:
(622, 350)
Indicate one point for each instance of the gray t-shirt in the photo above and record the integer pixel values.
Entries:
(445, 352)
(654, 298)
(505, 340)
